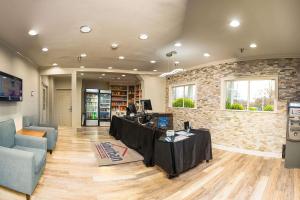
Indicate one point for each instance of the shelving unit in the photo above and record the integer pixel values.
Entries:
(119, 97)
(131, 93)
(121, 94)
(138, 94)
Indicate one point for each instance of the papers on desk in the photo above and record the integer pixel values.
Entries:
(180, 137)
(174, 138)
(183, 133)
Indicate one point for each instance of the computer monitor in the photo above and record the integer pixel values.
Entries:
(146, 104)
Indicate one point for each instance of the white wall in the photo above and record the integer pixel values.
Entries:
(12, 63)
(154, 88)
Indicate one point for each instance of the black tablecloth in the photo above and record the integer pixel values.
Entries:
(177, 157)
(135, 136)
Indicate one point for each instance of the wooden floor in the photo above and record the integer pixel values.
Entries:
(71, 173)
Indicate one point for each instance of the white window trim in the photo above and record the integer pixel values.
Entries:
(171, 95)
(240, 78)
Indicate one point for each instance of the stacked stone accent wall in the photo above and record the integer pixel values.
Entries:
(262, 131)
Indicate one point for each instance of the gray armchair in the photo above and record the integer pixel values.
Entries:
(23, 159)
(28, 123)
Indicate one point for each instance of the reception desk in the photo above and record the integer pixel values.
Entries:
(173, 157)
(135, 136)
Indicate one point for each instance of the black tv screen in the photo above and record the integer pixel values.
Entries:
(10, 88)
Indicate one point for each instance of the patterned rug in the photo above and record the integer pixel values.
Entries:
(114, 152)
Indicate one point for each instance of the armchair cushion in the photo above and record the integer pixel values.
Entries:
(38, 154)
(30, 141)
(51, 135)
(7, 133)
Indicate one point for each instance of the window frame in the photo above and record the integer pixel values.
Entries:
(247, 78)
(178, 85)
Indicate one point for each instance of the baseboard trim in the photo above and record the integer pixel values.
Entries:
(247, 151)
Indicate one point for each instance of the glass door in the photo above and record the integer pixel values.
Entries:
(91, 107)
(105, 107)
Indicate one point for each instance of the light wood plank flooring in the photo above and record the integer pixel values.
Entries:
(71, 174)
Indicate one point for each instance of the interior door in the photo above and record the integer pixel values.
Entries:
(63, 105)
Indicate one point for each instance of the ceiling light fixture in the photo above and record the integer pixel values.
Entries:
(54, 64)
(109, 67)
(252, 45)
(118, 78)
(33, 32)
(206, 54)
(153, 61)
(114, 45)
(85, 29)
(143, 36)
(135, 69)
(176, 62)
(82, 67)
(235, 23)
(99, 77)
(123, 75)
(103, 74)
(177, 44)
(173, 72)
(45, 49)
(155, 70)
(121, 57)
(83, 55)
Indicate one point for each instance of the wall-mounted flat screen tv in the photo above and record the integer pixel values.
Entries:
(10, 88)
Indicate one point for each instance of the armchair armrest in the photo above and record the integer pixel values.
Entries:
(17, 169)
(30, 141)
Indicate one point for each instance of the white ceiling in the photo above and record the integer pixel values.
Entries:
(200, 25)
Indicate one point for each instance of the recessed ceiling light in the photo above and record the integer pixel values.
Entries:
(33, 32)
(114, 45)
(81, 74)
(54, 64)
(121, 57)
(82, 67)
(135, 69)
(153, 61)
(253, 45)
(234, 23)
(83, 55)
(85, 29)
(45, 49)
(177, 44)
(109, 67)
(206, 54)
(155, 70)
(99, 77)
(123, 75)
(143, 36)
(103, 74)
(176, 62)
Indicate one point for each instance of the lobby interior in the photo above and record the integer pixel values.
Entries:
(231, 69)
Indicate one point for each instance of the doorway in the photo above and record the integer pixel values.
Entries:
(63, 107)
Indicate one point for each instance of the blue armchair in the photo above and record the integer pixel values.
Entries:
(28, 123)
(23, 159)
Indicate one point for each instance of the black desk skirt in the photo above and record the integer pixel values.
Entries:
(177, 157)
(135, 136)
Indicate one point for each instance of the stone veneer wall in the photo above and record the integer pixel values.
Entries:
(260, 131)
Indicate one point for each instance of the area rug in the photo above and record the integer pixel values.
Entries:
(114, 152)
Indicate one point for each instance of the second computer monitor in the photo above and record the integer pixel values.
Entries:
(146, 104)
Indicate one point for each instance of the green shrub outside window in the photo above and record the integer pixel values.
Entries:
(183, 103)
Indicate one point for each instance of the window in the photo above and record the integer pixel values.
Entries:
(252, 95)
(183, 96)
